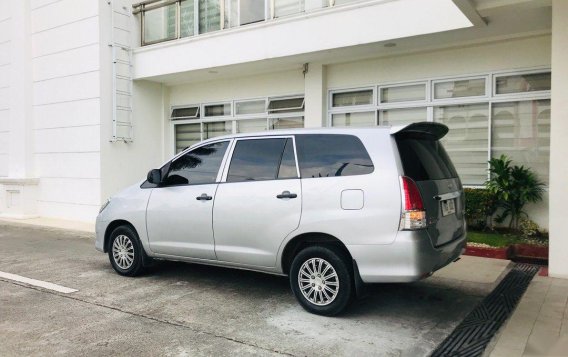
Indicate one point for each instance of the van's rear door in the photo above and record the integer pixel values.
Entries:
(425, 161)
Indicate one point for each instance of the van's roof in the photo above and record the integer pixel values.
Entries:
(284, 132)
(436, 129)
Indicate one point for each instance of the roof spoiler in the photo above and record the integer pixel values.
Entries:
(422, 130)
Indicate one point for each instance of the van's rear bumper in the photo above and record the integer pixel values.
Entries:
(409, 258)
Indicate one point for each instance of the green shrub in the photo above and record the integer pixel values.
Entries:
(514, 186)
(480, 205)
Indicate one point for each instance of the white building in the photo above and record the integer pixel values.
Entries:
(94, 93)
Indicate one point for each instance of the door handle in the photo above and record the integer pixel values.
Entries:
(204, 197)
(287, 194)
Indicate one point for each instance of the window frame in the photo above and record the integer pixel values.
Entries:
(283, 111)
(260, 114)
(197, 115)
(487, 88)
(211, 104)
(427, 94)
(495, 76)
(231, 150)
(351, 90)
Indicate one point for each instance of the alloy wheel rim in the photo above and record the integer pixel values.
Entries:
(318, 281)
(123, 252)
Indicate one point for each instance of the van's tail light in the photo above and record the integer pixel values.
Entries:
(413, 215)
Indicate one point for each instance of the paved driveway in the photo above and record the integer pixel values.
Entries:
(185, 309)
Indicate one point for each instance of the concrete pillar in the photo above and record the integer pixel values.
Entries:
(558, 265)
(315, 89)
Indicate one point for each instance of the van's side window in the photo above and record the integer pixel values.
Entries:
(198, 166)
(262, 159)
(327, 155)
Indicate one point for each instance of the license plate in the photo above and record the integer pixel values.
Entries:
(448, 207)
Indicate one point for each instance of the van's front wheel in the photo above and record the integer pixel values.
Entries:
(321, 279)
(125, 252)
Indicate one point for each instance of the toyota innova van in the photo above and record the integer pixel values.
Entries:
(331, 208)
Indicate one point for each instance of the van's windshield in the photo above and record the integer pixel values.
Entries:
(425, 159)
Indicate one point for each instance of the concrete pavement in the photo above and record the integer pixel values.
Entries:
(186, 309)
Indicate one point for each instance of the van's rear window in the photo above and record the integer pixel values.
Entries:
(425, 159)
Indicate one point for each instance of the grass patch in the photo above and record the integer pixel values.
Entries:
(492, 239)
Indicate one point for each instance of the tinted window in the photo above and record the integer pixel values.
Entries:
(326, 155)
(255, 160)
(288, 163)
(424, 159)
(262, 159)
(198, 166)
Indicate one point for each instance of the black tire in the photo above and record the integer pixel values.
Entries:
(127, 234)
(322, 254)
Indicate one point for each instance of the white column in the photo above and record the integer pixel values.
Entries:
(315, 88)
(20, 141)
(18, 191)
(558, 265)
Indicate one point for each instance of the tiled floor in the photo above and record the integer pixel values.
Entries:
(539, 325)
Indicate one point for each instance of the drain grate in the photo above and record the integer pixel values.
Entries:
(473, 334)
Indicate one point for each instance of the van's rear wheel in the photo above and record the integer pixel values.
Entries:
(321, 279)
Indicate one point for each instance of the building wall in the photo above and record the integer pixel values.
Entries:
(5, 44)
(66, 107)
(501, 55)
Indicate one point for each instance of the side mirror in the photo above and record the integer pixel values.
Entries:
(155, 176)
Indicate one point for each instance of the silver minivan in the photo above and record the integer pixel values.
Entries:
(332, 208)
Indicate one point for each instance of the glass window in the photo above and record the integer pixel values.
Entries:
(459, 89)
(402, 116)
(185, 113)
(520, 83)
(354, 119)
(288, 164)
(209, 16)
(521, 130)
(255, 160)
(424, 159)
(198, 166)
(408, 93)
(250, 107)
(231, 13)
(288, 7)
(187, 18)
(160, 24)
(187, 135)
(251, 125)
(327, 155)
(211, 130)
(363, 97)
(215, 110)
(251, 11)
(467, 142)
(286, 123)
(285, 105)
